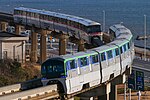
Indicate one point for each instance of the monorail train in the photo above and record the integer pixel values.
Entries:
(74, 26)
(92, 67)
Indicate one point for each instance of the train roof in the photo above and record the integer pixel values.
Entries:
(104, 48)
(119, 29)
(83, 21)
(78, 54)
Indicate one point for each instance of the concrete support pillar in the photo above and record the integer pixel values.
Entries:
(62, 44)
(43, 52)
(18, 29)
(4, 26)
(81, 45)
(113, 93)
(107, 91)
(104, 97)
(34, 47)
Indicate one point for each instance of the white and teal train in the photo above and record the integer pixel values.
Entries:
(92, 67)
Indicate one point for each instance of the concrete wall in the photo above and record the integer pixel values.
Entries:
(13, 50)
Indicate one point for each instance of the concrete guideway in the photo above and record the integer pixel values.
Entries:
(9, 89)
(30, 93)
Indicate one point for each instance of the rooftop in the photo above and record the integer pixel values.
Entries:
(7, 34)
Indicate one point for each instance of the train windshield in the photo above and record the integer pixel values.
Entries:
(53, 69)
(93, 29)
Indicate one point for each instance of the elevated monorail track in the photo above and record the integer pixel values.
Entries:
(9, 89)
(48, 92)
(6, 17)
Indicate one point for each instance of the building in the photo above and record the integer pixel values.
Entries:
(12, 46)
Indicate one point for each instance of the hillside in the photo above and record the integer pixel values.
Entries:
(12, 72)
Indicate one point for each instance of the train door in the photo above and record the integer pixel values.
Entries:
(110, 57)
(73, 80)
(94, 70)
(104, 64)
(111, 63)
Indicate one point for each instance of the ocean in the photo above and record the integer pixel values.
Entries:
(129, 12)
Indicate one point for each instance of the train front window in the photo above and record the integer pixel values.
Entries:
(93, 29)
(54, 69)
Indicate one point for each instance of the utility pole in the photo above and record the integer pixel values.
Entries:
(145, 37)
(103, 20)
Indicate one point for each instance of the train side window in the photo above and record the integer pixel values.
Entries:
(109, 54)
(117, 51)
(72, 64)
(27, 14)
(24, 13)
(113, 52)
(94, 59)
(35, 15)
(103, 57)
(124, 46)
(43, 69)
(50, 18)
(15, 12)
(83, 61)
(67, 65)
(121, 50)
(21, 12)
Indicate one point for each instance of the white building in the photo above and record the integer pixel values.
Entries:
(12, 46)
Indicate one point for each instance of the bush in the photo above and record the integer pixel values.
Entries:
(12, 72)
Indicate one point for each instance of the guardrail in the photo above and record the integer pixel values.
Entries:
(9, 89)
(28, 94)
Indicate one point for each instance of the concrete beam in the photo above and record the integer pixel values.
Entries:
(113, 92)
(34, 47)
(4, 26)
(43, 48)
(98, 91)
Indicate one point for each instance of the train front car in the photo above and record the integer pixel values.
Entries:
(72, 73)
(54, 72)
